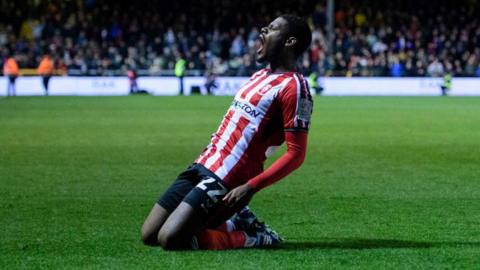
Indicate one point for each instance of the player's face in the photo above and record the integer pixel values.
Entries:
(272, 40)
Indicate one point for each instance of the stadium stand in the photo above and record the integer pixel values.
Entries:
(372, 38)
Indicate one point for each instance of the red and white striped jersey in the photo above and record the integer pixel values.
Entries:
(266, 106)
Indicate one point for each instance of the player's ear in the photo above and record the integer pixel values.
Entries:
(290, 41)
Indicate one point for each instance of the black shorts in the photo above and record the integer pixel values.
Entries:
(12, 78)
(201, 189)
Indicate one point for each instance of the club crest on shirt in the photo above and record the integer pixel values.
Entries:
(304, 109)
(265, 89)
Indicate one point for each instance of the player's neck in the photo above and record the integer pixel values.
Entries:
(287, 65)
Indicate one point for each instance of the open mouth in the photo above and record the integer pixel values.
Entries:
(261, 44)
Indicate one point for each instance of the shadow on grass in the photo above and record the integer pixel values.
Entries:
(355, 243)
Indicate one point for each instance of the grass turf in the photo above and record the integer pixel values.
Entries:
(388, 182)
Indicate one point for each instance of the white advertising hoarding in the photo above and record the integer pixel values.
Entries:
(159, 86)
(334, 86)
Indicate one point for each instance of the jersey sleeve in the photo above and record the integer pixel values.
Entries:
(296, 104)
(288, 162)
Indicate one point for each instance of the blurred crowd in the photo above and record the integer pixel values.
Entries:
(371, 38)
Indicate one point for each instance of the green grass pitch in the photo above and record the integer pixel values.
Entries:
(387, 183)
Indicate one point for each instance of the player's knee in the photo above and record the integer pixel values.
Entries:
(149, 236)
(167, 240)
(149, 239)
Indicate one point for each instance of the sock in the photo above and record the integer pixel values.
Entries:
(218, 240)
(227, 226)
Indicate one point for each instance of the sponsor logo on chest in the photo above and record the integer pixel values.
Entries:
(246, 108)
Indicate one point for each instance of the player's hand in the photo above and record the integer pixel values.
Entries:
(238, 194)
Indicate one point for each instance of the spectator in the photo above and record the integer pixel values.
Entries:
(447, 84)
(10, 69)
(46, 69)
(132, 79)
(180, 68)
(396, 68)
(96, 37)
(435, 69)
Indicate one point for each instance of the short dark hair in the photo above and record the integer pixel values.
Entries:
(298, 27)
